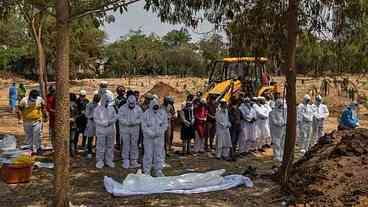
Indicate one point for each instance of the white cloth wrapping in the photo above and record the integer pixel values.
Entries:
(140, 184)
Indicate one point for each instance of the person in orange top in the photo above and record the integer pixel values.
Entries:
(32, 110)
(200, 114)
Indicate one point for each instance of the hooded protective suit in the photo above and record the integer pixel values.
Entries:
(262, 125)
(278, 129)
(105, 118)
(247, 140)
(321, 113)
(154, 125)
(305, 114)
(130, 118)
(223, 138)
(349, 118)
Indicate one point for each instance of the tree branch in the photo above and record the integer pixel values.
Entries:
(103, 9)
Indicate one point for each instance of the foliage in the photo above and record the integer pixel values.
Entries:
(137, 53)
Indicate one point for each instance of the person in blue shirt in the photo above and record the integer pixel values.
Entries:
(349, 117)
(13, 97)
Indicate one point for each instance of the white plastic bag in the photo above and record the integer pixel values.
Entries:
(141, 182)
(8, 142)
(191, 183)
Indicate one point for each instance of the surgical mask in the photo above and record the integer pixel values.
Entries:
(131, 106)
(156, 107)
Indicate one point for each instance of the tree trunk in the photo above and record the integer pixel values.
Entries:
(290, 95)
(42, 72)
(41, 65)
(61, 151)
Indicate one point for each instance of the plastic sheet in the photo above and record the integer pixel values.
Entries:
(139, 184)
(8, 142)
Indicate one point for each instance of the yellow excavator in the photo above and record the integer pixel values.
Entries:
(233, 75)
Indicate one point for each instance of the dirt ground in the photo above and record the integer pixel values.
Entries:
(87, 182)
(334, 172)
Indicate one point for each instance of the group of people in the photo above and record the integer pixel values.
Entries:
(239, 126)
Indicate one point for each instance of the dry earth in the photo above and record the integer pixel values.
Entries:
(87, 182)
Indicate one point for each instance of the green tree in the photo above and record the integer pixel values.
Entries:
(212, 48)
(177, 38)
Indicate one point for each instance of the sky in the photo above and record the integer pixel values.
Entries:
(138, 18)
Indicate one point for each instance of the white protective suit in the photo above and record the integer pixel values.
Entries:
(305, 114)
(105, 118)
(321, 113)
(154, 125)
(247, 140)
(278, 129)
(223, 138)
(130, 118)
(263, 135)
(91, 126)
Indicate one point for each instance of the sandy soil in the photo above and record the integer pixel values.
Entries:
(87, 182)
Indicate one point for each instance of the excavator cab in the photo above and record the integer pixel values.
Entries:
(235, 74)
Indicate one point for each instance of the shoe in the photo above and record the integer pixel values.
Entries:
(126, 164)
(303, 151)
(134, 165)
(110, 164)
(100, 165)
(159, 173)
(89, 156)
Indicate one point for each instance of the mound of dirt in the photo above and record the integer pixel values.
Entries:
(162, 89)
(334, 172)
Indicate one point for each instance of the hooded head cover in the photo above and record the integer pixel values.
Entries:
(154, 105)
(106, 100)
(319, 99)
(132, 101)
(155, 96)
(306, 99)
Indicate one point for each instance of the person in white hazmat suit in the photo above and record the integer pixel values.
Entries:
(278, 128)
(105, 118)
(130, 117)
(247, 140)
(154, 125)
(90, 131)
(263, 135)
(223, 138)
(321, 113)
(305, 114)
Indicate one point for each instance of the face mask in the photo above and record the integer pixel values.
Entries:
(156, 107)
